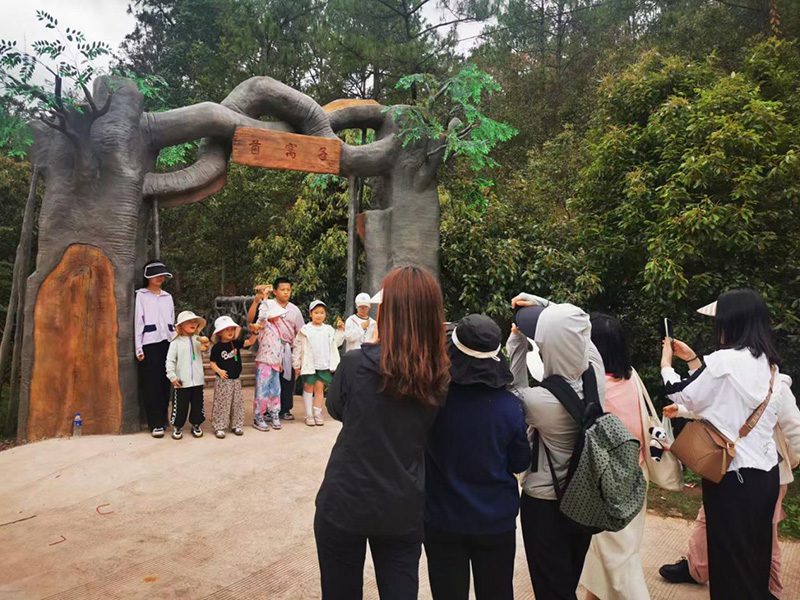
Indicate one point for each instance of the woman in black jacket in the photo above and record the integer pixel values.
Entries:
(386, 395)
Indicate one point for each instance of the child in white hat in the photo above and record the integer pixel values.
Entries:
(360, 327)
(315, 357)
(226, 362)
(269, 364)
(185, 372)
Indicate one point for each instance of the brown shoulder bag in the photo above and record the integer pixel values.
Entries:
(706, 451)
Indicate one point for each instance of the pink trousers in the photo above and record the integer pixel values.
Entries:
(697, 555)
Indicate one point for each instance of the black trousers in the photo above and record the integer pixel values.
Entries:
(155, 385)
(188, 400)
(739, 513)
(287, 394)
(555, 549)
(341, 563)
(449, 558)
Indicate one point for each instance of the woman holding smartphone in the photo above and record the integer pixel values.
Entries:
(724, 388)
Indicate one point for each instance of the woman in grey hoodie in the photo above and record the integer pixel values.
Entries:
(554, 546)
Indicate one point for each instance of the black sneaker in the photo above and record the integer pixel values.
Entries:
(196, 431)
(176, 433)
(678, 572)
(287, 416)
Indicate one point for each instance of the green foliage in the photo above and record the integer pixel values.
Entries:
(310, 247)
(70, 56)
(471, 133)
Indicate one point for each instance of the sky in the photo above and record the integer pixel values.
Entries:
(108, 21)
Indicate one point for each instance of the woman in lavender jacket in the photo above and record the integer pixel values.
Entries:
(153, 329)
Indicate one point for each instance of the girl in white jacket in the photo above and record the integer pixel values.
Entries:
(185, 372)
(315, 357)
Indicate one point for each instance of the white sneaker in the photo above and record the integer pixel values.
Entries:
(158, 432)
(260, 424)
(276, 421)
(310, 421)
(176, 433)
(318, 420)
(220, 434)
(238, 431)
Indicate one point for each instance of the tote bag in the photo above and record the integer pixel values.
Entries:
(667, 473)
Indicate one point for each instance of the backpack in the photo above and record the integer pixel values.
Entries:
(605, 488)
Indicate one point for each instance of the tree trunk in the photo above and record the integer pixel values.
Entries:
(78, 310)
(21, 271)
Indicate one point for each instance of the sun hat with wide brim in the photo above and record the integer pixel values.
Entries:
(526, 318)
(188, 315)
(274, 310)
(156, 269)
(474, 349)
(709, 310)
(222, 323)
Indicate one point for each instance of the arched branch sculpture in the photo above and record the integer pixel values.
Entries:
(93, 225)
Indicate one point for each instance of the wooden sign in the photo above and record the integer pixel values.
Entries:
(287, 151)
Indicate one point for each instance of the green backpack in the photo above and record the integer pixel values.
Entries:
(605, 488)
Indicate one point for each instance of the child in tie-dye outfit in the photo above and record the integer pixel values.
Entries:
(267, 397)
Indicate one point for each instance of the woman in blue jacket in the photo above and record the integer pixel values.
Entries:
(477, 443)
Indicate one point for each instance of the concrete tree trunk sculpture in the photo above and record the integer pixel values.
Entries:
(98, 166)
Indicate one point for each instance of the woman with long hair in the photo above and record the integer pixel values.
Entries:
(386, 394)
(613, 568)
(725, 388)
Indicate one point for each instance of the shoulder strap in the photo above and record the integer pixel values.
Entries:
(569, 399)
(755, 416)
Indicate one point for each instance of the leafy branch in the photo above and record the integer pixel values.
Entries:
(70, 57)
(455, 100)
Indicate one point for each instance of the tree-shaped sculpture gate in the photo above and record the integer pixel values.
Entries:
(78, 350)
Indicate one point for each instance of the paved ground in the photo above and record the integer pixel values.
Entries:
(133, 517)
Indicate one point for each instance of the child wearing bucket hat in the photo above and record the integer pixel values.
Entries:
(360, 327)
(269, 365)
(185, 371)
(153, 329)
(315, 357)
(226, 362)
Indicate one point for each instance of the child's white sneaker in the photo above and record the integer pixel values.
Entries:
(220, 434)
(318, 420)
(310, 421)
(176, 433)
(275, 420)
(196, 431)
(260, 424)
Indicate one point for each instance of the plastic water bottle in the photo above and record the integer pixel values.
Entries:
(77, 425)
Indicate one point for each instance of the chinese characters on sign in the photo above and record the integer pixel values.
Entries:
(284, 150)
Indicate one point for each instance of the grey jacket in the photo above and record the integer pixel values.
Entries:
(563, 335)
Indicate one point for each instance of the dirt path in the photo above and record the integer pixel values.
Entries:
(134, 517)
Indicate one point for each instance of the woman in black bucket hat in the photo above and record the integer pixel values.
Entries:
(477, 444)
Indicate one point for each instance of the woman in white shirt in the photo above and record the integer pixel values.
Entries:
(725, 388)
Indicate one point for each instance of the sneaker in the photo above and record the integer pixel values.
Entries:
(196, 431)
(176, 433)
(287, 416)
(318, 417)
(220, 434)
(310, 421)
(678, 572)
(158, 432)
(276, 422)
(238, 431)
(260, 424)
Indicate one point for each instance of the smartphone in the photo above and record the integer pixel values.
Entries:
(665, 328)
